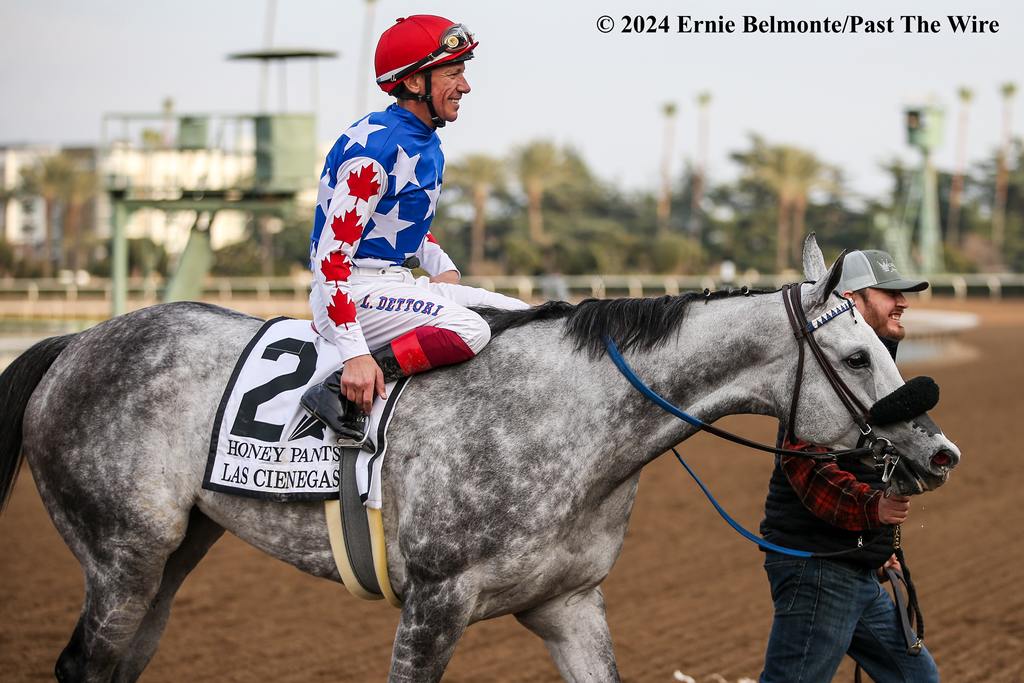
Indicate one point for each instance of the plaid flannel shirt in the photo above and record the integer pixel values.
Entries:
(829, 492)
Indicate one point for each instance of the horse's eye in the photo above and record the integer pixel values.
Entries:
(858, 360)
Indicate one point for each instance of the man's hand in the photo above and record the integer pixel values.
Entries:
(893, 509)
(360, 379)
(450, 277)
(891, 563)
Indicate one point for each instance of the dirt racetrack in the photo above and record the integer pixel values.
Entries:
(687, 593)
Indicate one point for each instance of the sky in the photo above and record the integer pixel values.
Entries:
(543, 70)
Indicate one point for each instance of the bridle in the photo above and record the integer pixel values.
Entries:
(879, 448)
(885, 455)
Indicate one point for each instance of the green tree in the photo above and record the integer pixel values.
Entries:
(6, 251)
(791, 174)
(1010, 254)
(82, 187)
(540, 165)
(668, 110)
(257, 253)
(477, 176)
(1007, 90)
(965, 95)
(52, 178)
(699, 176)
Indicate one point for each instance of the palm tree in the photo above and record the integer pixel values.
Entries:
(63, 183)
(50, 179)
(478, 175)
(792, 174)
(700, 177)
(6, 195)
(540, 164)
(1008, 90)
(664, 196)
(83, 185)
(953, 225)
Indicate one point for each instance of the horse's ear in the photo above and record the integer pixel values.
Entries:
(819, 294)
(814, 261)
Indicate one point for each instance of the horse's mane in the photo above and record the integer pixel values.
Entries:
(641, 324)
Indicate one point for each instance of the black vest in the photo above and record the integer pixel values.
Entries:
(789, 523)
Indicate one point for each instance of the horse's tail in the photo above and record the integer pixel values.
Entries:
(17, 383)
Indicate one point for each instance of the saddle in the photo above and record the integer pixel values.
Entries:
(265, 445)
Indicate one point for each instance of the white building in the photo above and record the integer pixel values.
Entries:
(162, 174)
(21, 217)
(149, 158)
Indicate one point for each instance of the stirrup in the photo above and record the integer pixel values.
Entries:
(353, 438)
(351, 441)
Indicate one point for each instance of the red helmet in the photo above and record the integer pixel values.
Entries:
(419, 42)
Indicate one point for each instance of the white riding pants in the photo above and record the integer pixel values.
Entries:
(391, 302)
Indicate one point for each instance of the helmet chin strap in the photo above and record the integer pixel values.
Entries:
(437, 120)
(426, 97)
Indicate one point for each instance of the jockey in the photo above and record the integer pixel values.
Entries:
(378, 192)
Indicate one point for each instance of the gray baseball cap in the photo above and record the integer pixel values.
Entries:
(874, 268)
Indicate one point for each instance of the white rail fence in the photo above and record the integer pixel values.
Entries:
(42, 298)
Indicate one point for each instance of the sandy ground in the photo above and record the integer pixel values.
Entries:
(687, 593)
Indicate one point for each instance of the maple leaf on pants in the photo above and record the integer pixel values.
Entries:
(346, 228)
(336, 267)
(341, 310)
(363, 184)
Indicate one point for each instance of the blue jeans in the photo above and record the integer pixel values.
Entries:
(825, 610)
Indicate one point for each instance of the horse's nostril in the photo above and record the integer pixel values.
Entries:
(943, 458)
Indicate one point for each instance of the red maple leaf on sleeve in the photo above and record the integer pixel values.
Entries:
(336, 267)
(363, 184)
(341, 310)
(347, 228)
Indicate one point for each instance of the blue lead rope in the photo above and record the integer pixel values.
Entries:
(654, 397)
(750, 536)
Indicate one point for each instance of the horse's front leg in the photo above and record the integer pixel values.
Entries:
(434, 617)
(575, 632)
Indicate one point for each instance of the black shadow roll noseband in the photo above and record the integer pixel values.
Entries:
(916, 397)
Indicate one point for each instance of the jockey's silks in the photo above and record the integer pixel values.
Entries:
(378, 192)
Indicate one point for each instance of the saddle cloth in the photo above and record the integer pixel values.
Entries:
(264, 445)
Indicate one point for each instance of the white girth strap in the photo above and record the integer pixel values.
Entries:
(332, 511)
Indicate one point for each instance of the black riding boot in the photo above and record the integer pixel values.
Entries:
(325, 402)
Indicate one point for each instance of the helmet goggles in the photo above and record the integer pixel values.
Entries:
(456, 38)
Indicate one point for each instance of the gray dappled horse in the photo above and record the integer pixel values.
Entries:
(509, 480)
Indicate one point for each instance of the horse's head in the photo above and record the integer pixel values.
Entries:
(892, 409)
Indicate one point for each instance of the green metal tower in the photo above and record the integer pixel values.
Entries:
(276, 152)
(924, 125)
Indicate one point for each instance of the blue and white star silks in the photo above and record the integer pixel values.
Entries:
(387, 226)
(324, 192)
(360, 132)
(405, 170)
(377, 197)
(432, 195)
